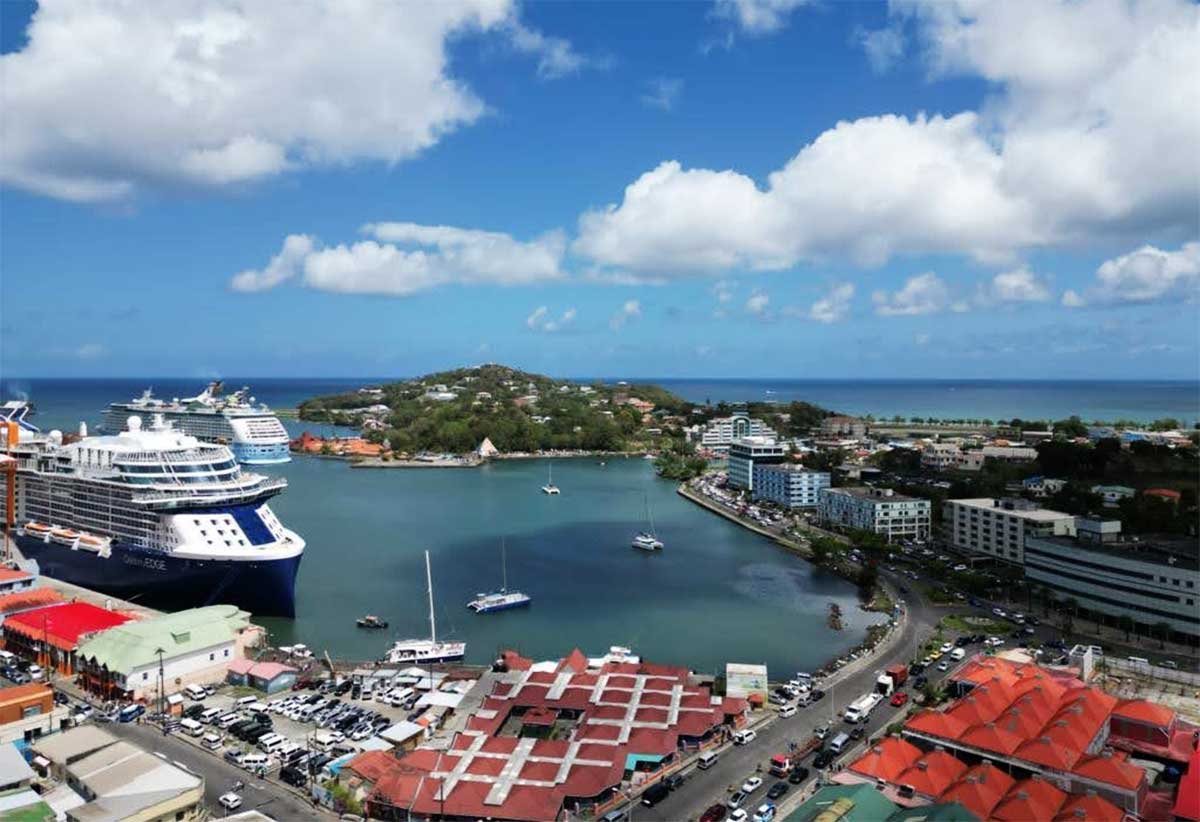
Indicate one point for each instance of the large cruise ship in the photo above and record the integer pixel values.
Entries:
(253, 432)
(151, 515)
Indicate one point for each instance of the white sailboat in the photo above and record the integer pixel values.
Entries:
(550, 487)
(648, 540)
(503, 599)
(418, 651)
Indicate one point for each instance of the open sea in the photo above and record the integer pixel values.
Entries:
(717, 593)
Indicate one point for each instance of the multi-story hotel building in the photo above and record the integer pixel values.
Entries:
(879, 510)
(998, 527)
(792, 486)
(748, 452)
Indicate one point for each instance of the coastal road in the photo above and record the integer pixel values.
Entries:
(703, 788)
(219, 775)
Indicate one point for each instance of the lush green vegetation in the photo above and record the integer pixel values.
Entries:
(678, 461)
(516, 410)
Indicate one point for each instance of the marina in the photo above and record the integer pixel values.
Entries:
(367, 531)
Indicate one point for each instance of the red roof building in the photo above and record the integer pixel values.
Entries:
(1030, 800)
(1187, 800)
(980, 789)
(887, 759)
(51, 634)
(620, 721)
(1034, 720)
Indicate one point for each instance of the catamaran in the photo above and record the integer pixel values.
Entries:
(502, 599)
(550, 487)
(648, 540)
(418, 651)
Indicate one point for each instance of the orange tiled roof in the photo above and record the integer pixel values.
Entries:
(1089, 808)
(979, 790)
(1030, 800)
(887, 759)
(1112, 768)
(932, 774)
(1151, 713)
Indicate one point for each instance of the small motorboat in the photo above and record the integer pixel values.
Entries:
(371, 621)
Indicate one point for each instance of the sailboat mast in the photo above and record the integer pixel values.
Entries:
(503, 566)
(429, 588)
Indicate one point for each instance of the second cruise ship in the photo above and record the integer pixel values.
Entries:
(252, 431)
(151, 515)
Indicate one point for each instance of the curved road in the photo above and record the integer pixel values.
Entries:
(703, 788)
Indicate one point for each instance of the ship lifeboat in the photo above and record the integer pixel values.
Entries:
(38, 529)
(90, 542)
(65, 536)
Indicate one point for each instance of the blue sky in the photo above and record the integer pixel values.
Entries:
(745, 188)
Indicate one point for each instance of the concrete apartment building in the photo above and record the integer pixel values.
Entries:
(1150, 580)
(879, 510)
(792, 486)
(748, 452)
(998, 527)
(718, 434)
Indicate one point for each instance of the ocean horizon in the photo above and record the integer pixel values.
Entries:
(65, 401)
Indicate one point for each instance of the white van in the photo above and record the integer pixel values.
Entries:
(228, 720)
(242, 702)
(839, 743)
(787, 710)
(275, 745)
(957, 654)
(210, 716)
(707, 760)
(744, 737)
(191, 727)
(325, 741)
(7, 657)
(211, 742)
(195, 692)
(268, 739)
(253, 761)
(36, 673)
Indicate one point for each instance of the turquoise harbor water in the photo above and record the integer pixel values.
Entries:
(716, 593)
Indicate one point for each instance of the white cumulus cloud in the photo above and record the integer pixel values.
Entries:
(1147, 275)
(1017, 286)
(834, 306)
(923, 294)
(758, 16)
(401, 259)
(108, 97)
(758, 303)
(1091, 133)
(542, 320)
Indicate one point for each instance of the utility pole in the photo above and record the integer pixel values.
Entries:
(161, 688)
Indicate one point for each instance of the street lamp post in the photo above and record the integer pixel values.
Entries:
(161, 688)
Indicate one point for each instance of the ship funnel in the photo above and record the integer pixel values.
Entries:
(82, 429)
(134, 424)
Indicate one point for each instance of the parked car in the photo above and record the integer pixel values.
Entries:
(735, 800)
(822, 760)
(230, 801)
(777, 790)
(899, 699)
(715, 813)
(798, 775)
(752, 784)
(673, 781)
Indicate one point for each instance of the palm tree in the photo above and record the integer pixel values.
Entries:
(1126, 624)
(1164, 631)
(1071, 610)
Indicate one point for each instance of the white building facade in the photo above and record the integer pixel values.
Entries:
(718, 434)
(879, 510)
(1150, 582)
(791, 486)
(998, 527)
(746, 453)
